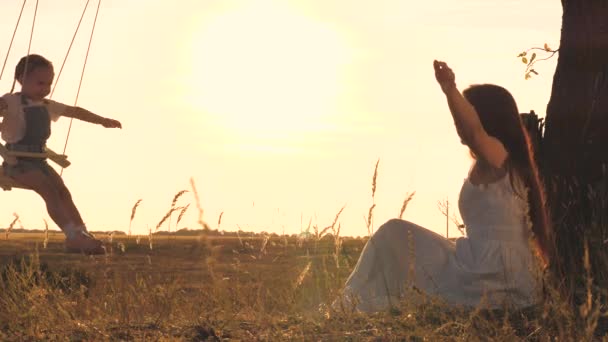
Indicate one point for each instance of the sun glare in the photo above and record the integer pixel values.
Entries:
(265, 67)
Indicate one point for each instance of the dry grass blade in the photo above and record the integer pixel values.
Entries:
(407, 200)
(337, 245)
(133, 210)
(181, 213)
(337, 232)
(167, 215)
(264, 244)
(303, 274)
(238, 235)
(10, 227)
(374, 179)
(150, 238)
(219, 220)
(333, 224)
(586, 307)
(176, 197)
(198, 205)
(46, 234)
(370, 216)
(319, 235)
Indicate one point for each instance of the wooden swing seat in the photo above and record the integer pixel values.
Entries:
(7, 183)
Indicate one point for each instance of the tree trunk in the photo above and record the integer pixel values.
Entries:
(575, 143)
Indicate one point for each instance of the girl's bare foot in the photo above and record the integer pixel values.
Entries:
(83, 242)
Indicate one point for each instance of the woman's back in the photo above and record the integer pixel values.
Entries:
(495, 258)
(500, 206)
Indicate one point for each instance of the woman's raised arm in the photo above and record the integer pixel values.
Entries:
(466, 119)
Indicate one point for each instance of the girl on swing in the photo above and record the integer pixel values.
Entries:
(26, 126)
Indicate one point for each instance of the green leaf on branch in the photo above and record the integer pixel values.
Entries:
(522, 54)
(524, 60)
(547, 48)
(532, 58)
(533, 71)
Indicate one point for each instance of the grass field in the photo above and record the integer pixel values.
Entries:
(231, 288)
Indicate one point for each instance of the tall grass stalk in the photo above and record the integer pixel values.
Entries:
(303, 275)
(181, 214)
(199, 206)
(336, 234)
(173, 206)
(219, 220)
(45, 243)
(165, 218)
(133, 210)
(370, 214)
(176, 197)
(13, 223)
(150, 238)
(406, 201)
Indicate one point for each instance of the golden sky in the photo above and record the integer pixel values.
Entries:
(278, 109)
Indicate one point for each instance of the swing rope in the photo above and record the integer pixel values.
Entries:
(69, 48)
(29, 45)
(64, 60)
(81, 78)
(10, 45)
(8, 186)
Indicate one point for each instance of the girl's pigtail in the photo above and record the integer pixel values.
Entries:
(13, 86)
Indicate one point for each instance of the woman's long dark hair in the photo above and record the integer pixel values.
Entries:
(500, 118)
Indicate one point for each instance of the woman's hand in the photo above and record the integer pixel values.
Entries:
(111, 123)
(444, 75)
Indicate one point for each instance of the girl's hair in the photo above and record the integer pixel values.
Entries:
(500, 118)
(27, 64)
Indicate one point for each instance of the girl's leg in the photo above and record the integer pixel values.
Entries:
(37, 181)
(65, 198)
(61, 208)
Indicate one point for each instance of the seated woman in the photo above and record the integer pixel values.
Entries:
(501, 203)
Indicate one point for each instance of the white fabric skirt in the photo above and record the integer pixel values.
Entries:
(402, 255)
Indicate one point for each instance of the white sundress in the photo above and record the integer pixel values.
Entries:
(493, 266)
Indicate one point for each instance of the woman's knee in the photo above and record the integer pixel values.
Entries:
(393, 226)
(396, 224)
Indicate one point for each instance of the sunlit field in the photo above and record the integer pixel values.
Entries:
(209, 286)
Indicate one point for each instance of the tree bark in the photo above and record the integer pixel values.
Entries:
(576, 135)
(575, 143)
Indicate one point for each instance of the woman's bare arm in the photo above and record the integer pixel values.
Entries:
(467, 121)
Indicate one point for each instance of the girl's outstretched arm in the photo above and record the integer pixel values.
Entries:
(85, 115)
(466, 119)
